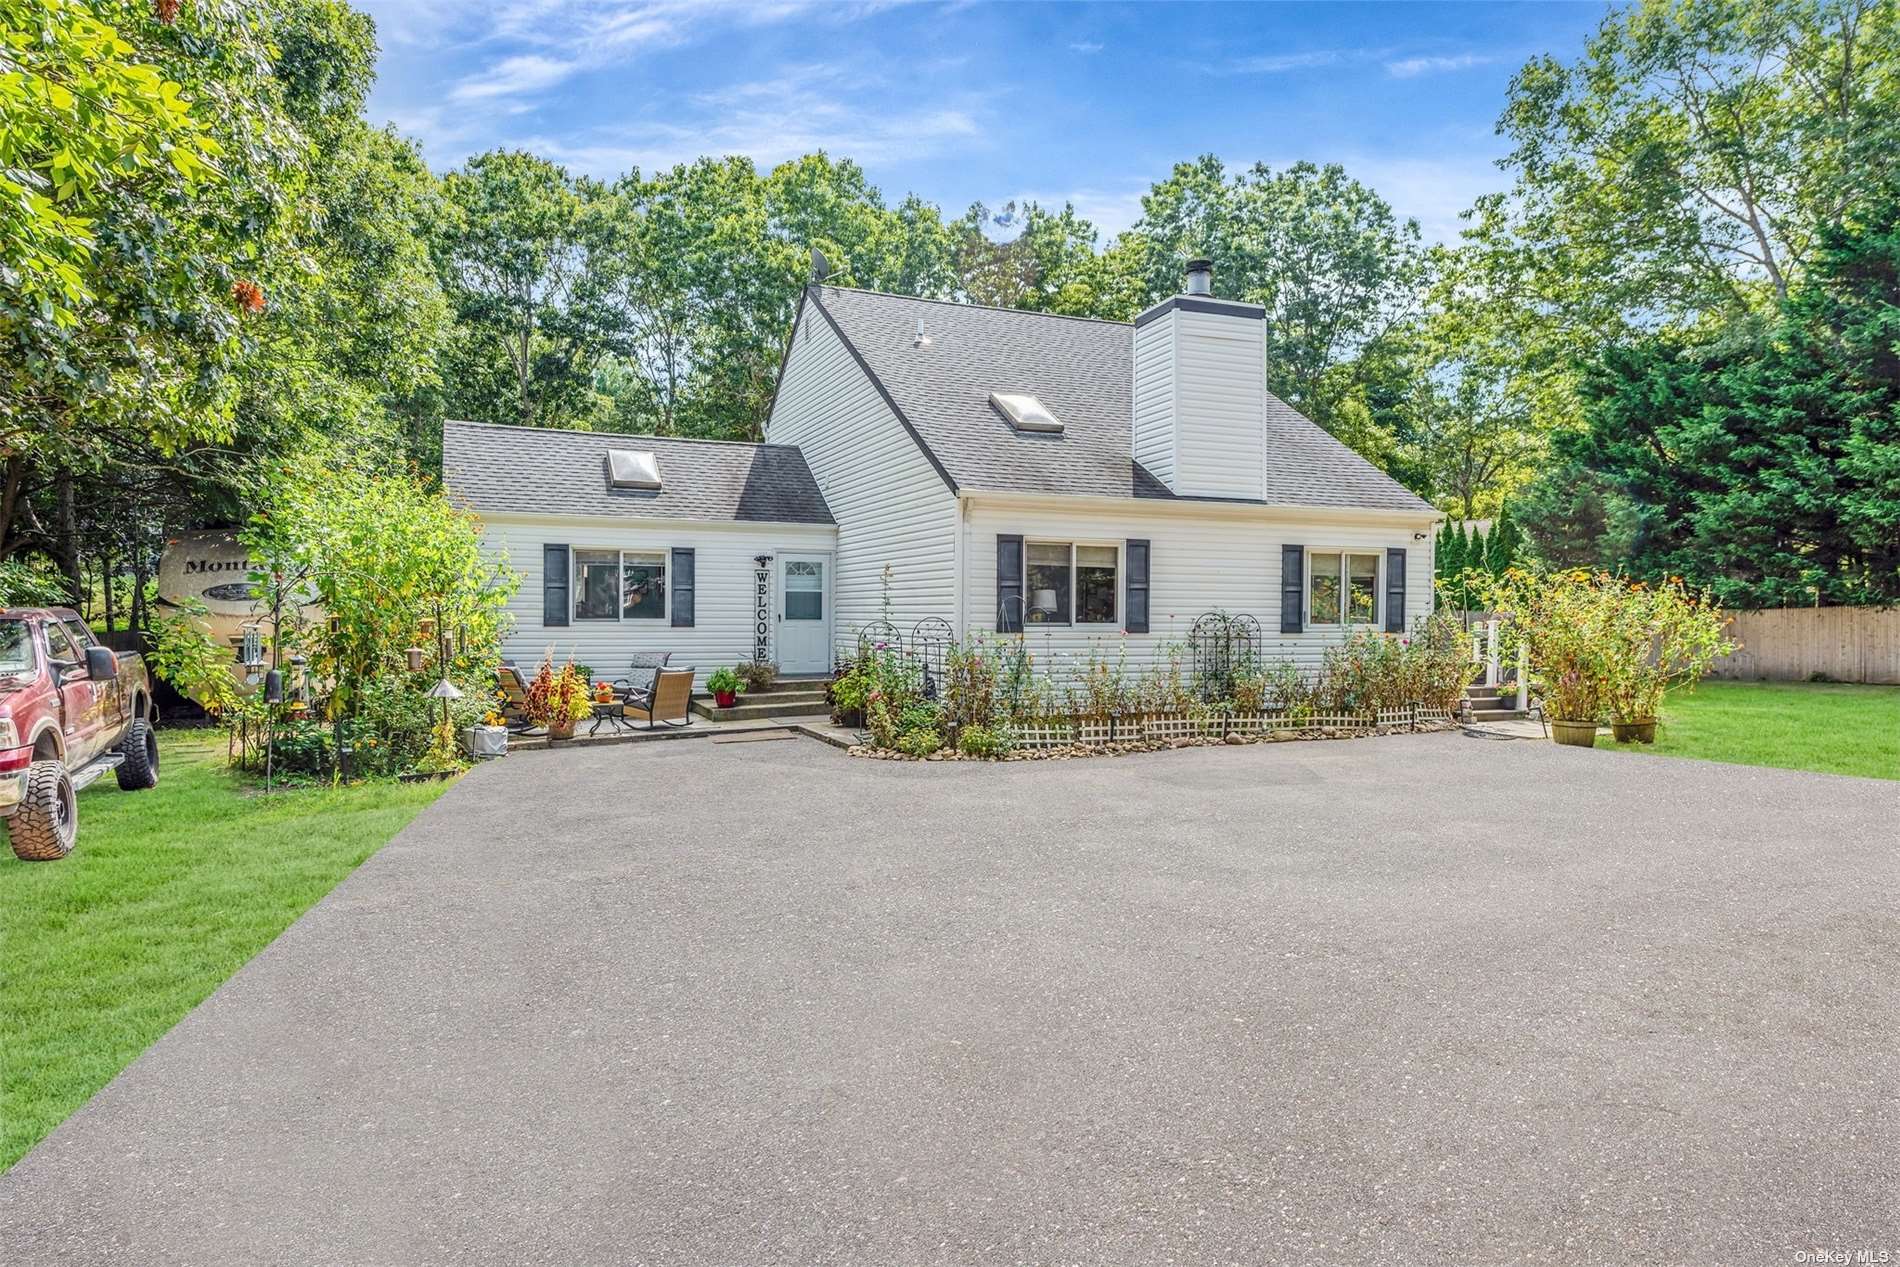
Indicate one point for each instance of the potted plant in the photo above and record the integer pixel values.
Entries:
(725, 686)
(488, 739)
(558, 700)
(1665, 637)
(1568, 619)
(847, 695)
(758, 675)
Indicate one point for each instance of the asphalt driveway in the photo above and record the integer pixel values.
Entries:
(1413, 1000)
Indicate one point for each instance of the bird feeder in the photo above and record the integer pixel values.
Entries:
(274, 687)
(444, 689)
(415, 655)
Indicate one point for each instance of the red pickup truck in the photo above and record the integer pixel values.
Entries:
(70, 710)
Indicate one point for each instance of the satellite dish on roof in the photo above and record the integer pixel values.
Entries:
(820, 266)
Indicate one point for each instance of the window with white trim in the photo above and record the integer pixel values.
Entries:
(1070, 583)
(1342, 588)
(619, 584)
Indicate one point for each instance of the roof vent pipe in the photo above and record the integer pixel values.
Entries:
(1200, 277)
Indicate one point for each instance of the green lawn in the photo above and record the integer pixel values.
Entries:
(1794, 725)
(168, 893)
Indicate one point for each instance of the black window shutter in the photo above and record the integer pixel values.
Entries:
(1395, 591)
(1135, 560)
(1292, 588)
(1009, 584)
(682, 582)
(554, 604)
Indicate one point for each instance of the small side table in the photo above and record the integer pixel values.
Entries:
(613, 716)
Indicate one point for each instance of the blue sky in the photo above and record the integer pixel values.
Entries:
(1085, 102)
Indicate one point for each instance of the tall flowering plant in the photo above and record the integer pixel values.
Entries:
(1569, 620)
(1662, 637)
(558, 698)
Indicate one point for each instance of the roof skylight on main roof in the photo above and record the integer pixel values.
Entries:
(1025, 412)
(633, 468)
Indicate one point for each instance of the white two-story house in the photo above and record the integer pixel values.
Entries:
(1075, 481)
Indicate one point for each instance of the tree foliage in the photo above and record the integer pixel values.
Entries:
(1761, 461)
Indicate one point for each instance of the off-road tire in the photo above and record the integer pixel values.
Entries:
(139, 770)
(46, 822)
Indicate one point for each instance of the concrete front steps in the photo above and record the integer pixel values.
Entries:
(1492, 703)
(787, 697)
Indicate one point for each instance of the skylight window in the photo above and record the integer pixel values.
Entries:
(1025, 412)
(633, 468)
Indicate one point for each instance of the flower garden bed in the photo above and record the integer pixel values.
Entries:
(1067, 738)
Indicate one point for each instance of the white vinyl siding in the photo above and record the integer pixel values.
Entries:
(892, 507)
(1154, 397)
(1198, 563)
(1220, 390)
(723, 590)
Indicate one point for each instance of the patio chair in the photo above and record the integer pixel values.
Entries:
(637, 686)
(514, 699)
(670, 701)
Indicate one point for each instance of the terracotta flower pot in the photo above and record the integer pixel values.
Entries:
(1577, 734)
(1634, 731)
(560, 730)
(726, 699)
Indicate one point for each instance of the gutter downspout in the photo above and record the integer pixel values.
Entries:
(957, 562)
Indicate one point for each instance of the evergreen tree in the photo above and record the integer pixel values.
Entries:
(1765, 460)
(1451, 560)
(1501, 552)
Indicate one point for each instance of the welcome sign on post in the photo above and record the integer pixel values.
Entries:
(762, 609)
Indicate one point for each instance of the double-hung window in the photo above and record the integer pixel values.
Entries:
(1342, 588)
(619, 585)
(1070, 584)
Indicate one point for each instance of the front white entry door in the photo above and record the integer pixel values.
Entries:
(804, 613)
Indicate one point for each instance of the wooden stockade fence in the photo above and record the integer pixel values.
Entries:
(1792, 644)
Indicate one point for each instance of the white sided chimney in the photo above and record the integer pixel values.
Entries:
(1200, 391)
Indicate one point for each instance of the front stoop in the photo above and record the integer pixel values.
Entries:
(788, 697)
(1492, 703)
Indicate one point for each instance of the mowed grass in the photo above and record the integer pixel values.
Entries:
(168, 893)
(1793, 725)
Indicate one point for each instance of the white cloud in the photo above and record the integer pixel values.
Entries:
(1085, 47)
(550, 41)
(516, 76)
(1280, 63)
(807, 108)
(1412, 67)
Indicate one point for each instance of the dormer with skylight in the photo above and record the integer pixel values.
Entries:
(1025, 413)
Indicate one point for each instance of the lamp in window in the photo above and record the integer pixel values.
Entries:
(1043, 603)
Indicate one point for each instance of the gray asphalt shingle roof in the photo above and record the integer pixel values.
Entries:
(532, 470)
(1083, 371)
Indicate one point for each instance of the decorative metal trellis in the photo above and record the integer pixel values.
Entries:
(1221, 648)
(879, 634)
(930, 640)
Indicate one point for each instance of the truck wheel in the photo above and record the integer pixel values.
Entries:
(139, 770)
(46, 822)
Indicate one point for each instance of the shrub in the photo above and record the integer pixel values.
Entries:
(970, 673)
(758, 675)
(1602, 644)
(984, 741)
(1106, 689)
(919, 716)
(919, 743)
